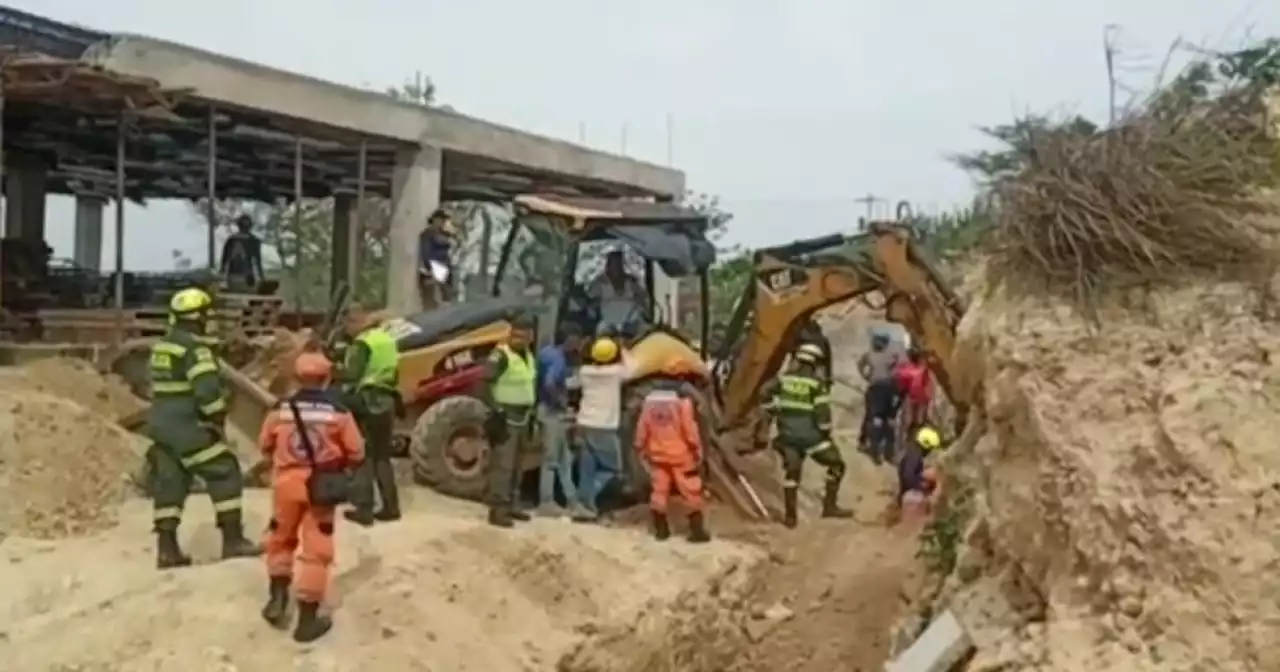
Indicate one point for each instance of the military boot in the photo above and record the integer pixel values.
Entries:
(168, 553)
(500, 517)
(789, 507)
(234, 543)
(661, 529)
(698, 529)
(276, 612)
(311, 625)
(829, 507)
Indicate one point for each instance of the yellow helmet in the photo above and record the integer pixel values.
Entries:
(928, 438)
(190, 303)
(604, 350)
(809, 352)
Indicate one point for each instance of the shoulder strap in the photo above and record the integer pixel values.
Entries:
(303, 436)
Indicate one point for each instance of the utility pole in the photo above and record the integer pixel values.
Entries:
(870, 200)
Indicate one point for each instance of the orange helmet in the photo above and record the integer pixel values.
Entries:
(312, 367)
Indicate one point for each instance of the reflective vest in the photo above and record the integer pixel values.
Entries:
(516, 385)
(381, 370)
(176, 362)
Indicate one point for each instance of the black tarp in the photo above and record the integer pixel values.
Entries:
(678, 250)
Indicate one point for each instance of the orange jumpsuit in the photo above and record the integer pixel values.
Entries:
(667, 439)
(294, 521)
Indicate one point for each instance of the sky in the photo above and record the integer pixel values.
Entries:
(789, 111)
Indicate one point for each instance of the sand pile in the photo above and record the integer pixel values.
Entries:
(268, 359)
(1127, 484)
(440, 590)
(62, 467)
(74, 380)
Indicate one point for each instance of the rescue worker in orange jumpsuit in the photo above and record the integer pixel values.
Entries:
(669, 442)
(331, 445)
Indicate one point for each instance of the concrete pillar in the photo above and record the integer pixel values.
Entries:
(415, 193)
(345, 260)
(24, 190)
(88, 239)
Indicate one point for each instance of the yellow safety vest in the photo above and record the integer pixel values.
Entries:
(381, 369)
(516, 385)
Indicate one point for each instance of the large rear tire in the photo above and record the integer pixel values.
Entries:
(450, 449)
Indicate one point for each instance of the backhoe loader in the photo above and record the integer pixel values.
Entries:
(788, 284)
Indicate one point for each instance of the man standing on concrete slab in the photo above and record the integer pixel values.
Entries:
(510, 389)
(435, 260)
(241, 267)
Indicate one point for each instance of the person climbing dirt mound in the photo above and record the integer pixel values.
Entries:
(1127, 518)
(62, 468)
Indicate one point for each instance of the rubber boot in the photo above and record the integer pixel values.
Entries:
(169, 554)
(661, 528)
(789, 508)
(234, 543)
(500, 517)
(829, 507)
(311, 625)
(698, 529)
(360, 516)
(276, 612)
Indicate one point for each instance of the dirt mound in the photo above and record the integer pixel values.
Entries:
(268, 359)
(62, 467)
(440, 588)
(1126, 485)
(74, 380)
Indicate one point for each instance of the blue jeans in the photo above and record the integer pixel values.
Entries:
(601, 462)
(557, 458)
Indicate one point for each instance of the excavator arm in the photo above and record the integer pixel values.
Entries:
(791, 282)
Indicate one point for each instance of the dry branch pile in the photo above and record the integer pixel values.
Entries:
(1175, 188)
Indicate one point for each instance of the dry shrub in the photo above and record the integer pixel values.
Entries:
(1175, 188)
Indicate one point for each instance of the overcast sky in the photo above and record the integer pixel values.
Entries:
(788, 110)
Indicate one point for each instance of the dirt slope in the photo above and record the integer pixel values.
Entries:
(1128, 485)
(439, 591)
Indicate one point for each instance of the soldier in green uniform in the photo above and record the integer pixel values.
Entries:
(369, 378)
(800, 403)
(509, 389)
(188, 408)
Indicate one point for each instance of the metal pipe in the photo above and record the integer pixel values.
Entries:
(354, 251)
(297, 224)
(120, 149)
(211, 193)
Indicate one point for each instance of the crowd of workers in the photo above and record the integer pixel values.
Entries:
(329, 444)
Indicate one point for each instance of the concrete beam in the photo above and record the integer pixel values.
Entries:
(87, 252)
(345, 261)
(231, 81)
(415, 193)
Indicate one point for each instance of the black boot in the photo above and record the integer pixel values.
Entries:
(520, 515)
(360, 516)
(500, 517)
(168, 553)
(277, 610)
(661, 528)
(698, 529)
(789, 507)
(386, 514)
(829, 507)
(234, 543)
(311, 625)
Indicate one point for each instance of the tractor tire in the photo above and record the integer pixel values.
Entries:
(449, 448)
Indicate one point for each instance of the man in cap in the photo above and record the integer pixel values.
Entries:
(510, 390)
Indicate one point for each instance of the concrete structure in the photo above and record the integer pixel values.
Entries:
(24, 189)
(427, 136)
(87, 252)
